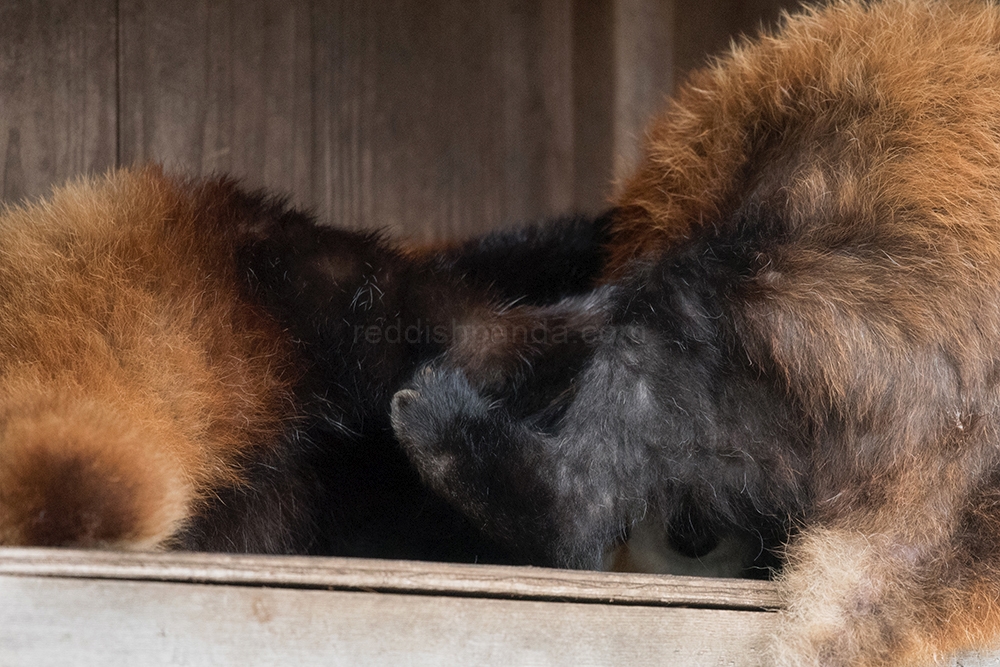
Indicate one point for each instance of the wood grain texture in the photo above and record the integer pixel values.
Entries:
(644, 45)
(594, 84)
(430, 119)
(628, 56)
(219, 86)
(434, 119)
(58, 620)
(57, 92)
(458, 114)
(394, 576)
(703, 29)
(84, 623)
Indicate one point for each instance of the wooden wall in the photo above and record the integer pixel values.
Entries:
(433, 119)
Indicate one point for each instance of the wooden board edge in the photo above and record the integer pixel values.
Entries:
(394, 576)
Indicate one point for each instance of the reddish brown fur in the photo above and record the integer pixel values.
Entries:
(873, 134)
(134, 374)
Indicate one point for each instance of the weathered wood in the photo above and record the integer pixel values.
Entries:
(221, 87)
(57, 92)
(594, 81)
(644, 47)
(432, 119)
(84, 623)
(628, 55)
(102, 608)
(393, 576)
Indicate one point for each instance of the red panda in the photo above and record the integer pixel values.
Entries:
(797, 340)
(186, 364)
(136, 374)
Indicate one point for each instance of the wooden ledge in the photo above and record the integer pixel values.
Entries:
(110, 609)
(105, 609)
(388, 576)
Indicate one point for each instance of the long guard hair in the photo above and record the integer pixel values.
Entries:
(188, 364)
(797, 340)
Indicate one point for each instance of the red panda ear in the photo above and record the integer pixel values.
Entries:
(73, 473)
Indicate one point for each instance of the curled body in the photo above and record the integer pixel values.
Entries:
(188, 364)
(800, 329)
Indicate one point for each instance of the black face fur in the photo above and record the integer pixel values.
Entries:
(363, 314)
(185, 364)
(657, 366)
(797, 341)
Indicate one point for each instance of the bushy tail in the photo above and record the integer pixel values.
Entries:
(74, 473)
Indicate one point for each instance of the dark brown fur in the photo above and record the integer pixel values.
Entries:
(123, 401)
(803, 310)
(185, 364)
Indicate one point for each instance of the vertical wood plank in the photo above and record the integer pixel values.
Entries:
(644, 58)
(57, 92)
(594, 84)
(656, 44)
(628, 56)
(430, 119)
(220, 86)
(622, 75)
(702, 29)
(446, 117)
(538, 54)
(706, 28)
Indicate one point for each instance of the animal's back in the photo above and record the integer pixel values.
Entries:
(846, 171)
(884, 111)
(804, 297)
(135, 374)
